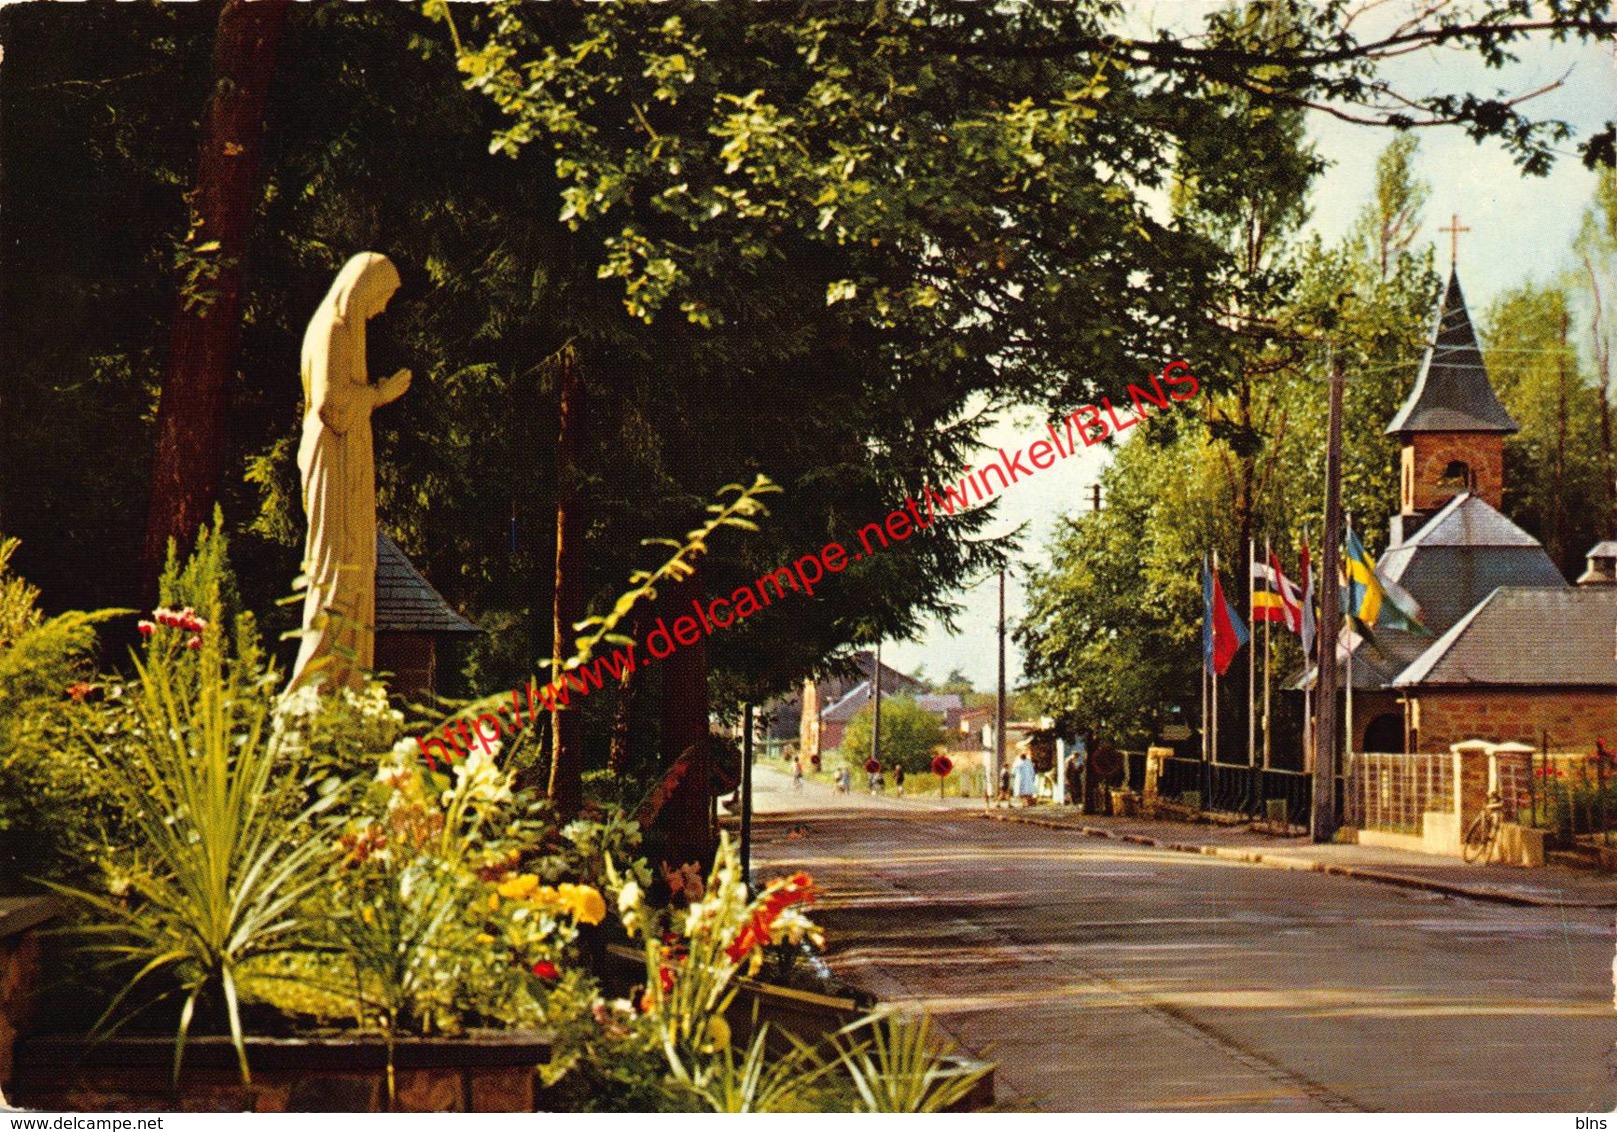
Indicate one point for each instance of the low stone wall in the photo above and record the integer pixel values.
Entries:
(490, 1071)
(20, 919)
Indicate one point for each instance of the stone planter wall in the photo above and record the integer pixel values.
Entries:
(20, 919)
(480, 1072)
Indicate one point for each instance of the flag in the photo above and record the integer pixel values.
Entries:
(1372, 598)
(1223, 632)
(1207, 614)
(1274, 597)
(1309, 626)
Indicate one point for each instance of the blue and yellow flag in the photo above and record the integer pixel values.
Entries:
(1372, 599)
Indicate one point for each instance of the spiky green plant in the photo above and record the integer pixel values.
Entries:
(216, 861)
(897, 1066)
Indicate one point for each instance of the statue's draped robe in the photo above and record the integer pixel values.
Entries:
(339, 479)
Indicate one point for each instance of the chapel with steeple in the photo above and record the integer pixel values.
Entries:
(1515, 653)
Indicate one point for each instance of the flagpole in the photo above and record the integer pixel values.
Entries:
(1308, 657)
(1353, 641)
(1251, 656)
(1268, 557)
(1206, 774)
(1207, 632)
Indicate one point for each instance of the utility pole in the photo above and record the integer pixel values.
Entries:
(875, 721)
(746, 796)
(999, 697)
(1323, 824)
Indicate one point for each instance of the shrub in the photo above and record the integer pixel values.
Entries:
(215, 863)
(910, 735)
(53, 797)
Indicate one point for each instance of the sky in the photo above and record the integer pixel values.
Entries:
(1521, 229)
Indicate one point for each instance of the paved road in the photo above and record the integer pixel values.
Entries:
(1103, 976)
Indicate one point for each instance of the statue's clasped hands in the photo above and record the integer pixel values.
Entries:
(392, 388)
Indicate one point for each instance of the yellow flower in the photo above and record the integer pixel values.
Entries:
(518, 887)
(484, 938)
(494, 902)
(368, 914)
(583, 902)
(718, 1032)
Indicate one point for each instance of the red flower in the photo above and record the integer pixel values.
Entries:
(147, 628)
(941, 766)
(80, 691)
(545, 969)
(665, 979)
(194, 643)
(779, 896)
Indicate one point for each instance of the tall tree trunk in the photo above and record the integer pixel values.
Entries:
(567, 753)
(1602, 345)
(686, 819)
(191, 415)
(1560, 514)
(617, 758)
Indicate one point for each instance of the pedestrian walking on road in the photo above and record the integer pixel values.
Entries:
(1025, 779)
(797, 773)
(844, 780)
(898, 779)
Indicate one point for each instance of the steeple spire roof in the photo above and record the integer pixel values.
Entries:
(1453, 393)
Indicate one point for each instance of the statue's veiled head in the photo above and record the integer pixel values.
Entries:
(363, 287)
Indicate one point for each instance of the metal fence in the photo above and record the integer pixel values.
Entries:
(1393, 792)
(1572, 796)
(1235, 788)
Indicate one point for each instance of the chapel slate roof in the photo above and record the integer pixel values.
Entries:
(1526, 636)
(406, 601)
(1465, 552)
(1452, 393)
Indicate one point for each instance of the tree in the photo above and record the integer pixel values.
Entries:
(1596, 248)
(1112, 635)
(910, 735)
(192, 416)
(1391, 221)
(1553, 475)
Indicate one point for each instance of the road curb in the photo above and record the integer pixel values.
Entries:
(1306, 864)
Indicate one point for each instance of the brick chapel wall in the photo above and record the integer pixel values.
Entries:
(1573, 718)
(1428, 454)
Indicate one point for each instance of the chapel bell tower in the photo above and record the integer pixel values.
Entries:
(1452, 427)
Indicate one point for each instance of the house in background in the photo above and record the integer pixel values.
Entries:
(411, 619)
(807, 709)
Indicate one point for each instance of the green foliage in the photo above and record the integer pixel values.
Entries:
(910, 735)
(899, 1067)
(693, 956)
(53, 798)
(414, 913)
(213, 868)
(1553, 482)
(1112, 637)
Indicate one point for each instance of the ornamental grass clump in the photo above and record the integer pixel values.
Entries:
(218, 854)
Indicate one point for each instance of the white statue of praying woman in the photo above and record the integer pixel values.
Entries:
(339, 476)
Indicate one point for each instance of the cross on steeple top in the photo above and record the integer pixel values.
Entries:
(1454, 229)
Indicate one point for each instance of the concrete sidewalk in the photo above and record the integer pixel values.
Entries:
(1551, 886)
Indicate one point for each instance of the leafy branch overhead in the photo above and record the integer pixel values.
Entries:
(939, 129)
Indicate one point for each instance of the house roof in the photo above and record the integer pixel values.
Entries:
(406, 601)
(1465, 552)
(848, 706)
(1452, 393)
(858, 696)
(1529, 636)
